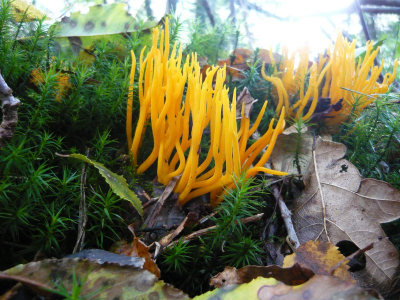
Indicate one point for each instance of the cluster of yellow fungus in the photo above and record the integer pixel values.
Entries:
(336, 76)
(178, 124)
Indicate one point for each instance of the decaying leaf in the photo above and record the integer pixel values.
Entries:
(321, 257)
(248, 100)
(21, 7)
(339, 205)
(105, 281)
(159, 205)
(318, 287)
(79, 31)
(139, 249)
(169, 215)
(243, 57)
(117, 183)
(100, 20)
(284, 154)
(102, 256)
(293, 275)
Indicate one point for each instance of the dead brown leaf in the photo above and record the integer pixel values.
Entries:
(153, 215)
(243, 57)
(320, 257)
(139, 249)
(293, 275)
(338, 204)
(283, 156)
(248, 100)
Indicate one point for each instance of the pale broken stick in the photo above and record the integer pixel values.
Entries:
(286, 215)
(285, 212)
(9, 107)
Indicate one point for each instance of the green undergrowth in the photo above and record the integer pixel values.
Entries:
(40, 192)
(373, 139)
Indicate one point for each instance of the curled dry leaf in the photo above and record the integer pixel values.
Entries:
(139, 249)
(338, 204)
(320, 257)
(243, 57)
(293, 275)
(248, 100)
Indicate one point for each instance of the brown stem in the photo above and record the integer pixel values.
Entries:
(209, 12)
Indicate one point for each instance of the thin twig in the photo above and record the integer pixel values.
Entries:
(360, 251)
(169, 237)
(204, 231)
(286, 215)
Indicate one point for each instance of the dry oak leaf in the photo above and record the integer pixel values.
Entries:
(320, 257)
(284, 154)
(338, 204)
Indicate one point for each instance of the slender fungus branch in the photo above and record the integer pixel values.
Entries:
(130, 102)
(335, 70)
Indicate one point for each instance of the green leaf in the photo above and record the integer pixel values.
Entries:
(111, 22)
(100, 20)
(117, 183)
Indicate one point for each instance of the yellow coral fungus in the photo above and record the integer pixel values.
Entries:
(360, 78)
(335, 76)
(178, 124)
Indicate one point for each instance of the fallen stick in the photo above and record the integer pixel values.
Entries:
(286, 215)
(204, 231)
